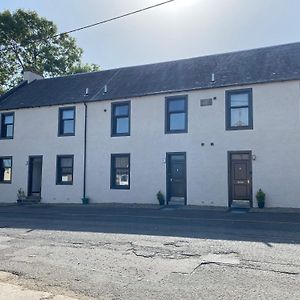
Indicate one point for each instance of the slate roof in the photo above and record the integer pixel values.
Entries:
(269, 64)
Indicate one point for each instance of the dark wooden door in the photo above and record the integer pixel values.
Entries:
(176, 178)
(35, 176)
(240, 177)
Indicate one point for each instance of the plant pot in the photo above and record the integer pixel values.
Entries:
(85, 201)
(162, 202)
(161, 199)
(261, 204)
(19, 201)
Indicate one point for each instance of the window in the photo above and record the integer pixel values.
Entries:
(66, 126)
(176, 114)
(5, 169)
(64, 169)
(7, 126)
(120, 171)
(239, 109)
(120, 119)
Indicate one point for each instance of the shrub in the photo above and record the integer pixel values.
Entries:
(260, 197)
(21, 194)
(161, 198)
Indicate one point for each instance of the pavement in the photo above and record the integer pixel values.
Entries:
(15, 292)
(123, 252)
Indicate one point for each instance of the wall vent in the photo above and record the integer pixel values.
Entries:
(206, 102)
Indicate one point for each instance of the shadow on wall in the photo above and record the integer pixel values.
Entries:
(217, 225)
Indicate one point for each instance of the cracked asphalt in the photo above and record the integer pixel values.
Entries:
(123, 252)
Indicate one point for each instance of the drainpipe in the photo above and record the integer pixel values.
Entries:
(84, 150)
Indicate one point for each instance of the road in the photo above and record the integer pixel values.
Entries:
(121, 252)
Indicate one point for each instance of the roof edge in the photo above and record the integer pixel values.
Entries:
(13, 90)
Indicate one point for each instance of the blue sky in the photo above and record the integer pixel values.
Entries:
(182, 29)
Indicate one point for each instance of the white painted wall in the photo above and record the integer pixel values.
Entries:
(275, 140)
(35, 133)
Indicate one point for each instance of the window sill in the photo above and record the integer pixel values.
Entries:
(120, 135)
(176, 131)
(239, 128)
(65, 135)
(120, 188)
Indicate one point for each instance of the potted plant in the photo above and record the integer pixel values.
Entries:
(85, 200)
(20, 196)
(161, 198)
(260, 197)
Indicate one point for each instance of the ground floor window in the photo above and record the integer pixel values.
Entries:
(120, 171)
(5, 169)
(64, 169)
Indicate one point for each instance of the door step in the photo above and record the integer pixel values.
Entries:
(176, 201)
(238, 210)
(243, 204)
(240, 206)
(29, 200)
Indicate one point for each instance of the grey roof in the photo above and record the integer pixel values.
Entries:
(277, 63)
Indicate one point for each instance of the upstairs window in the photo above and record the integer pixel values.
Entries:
(120, 171)
(64, 169)
(5, 169)
(120, 119)
(7, 126)
(239, 112)
(176, 114)
(66, 124)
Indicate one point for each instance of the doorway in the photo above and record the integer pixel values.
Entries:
(35, 176)
(240, 177)
(176, 178)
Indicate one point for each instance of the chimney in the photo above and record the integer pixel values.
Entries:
(30, 76)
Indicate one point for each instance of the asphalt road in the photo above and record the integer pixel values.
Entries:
(108, 252)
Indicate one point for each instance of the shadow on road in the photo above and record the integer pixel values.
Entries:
(267, 228)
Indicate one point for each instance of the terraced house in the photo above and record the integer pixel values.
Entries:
(205, 131)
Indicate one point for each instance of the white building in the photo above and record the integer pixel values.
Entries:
(205, 131)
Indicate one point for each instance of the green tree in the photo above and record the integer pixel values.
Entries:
(28, 41)
(83, 68)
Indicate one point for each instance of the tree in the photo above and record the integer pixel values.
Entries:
(28, 41)
(83, 68)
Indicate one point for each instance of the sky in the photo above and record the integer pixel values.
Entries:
(181, 29)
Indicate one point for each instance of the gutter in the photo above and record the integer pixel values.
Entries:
(84, 150)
